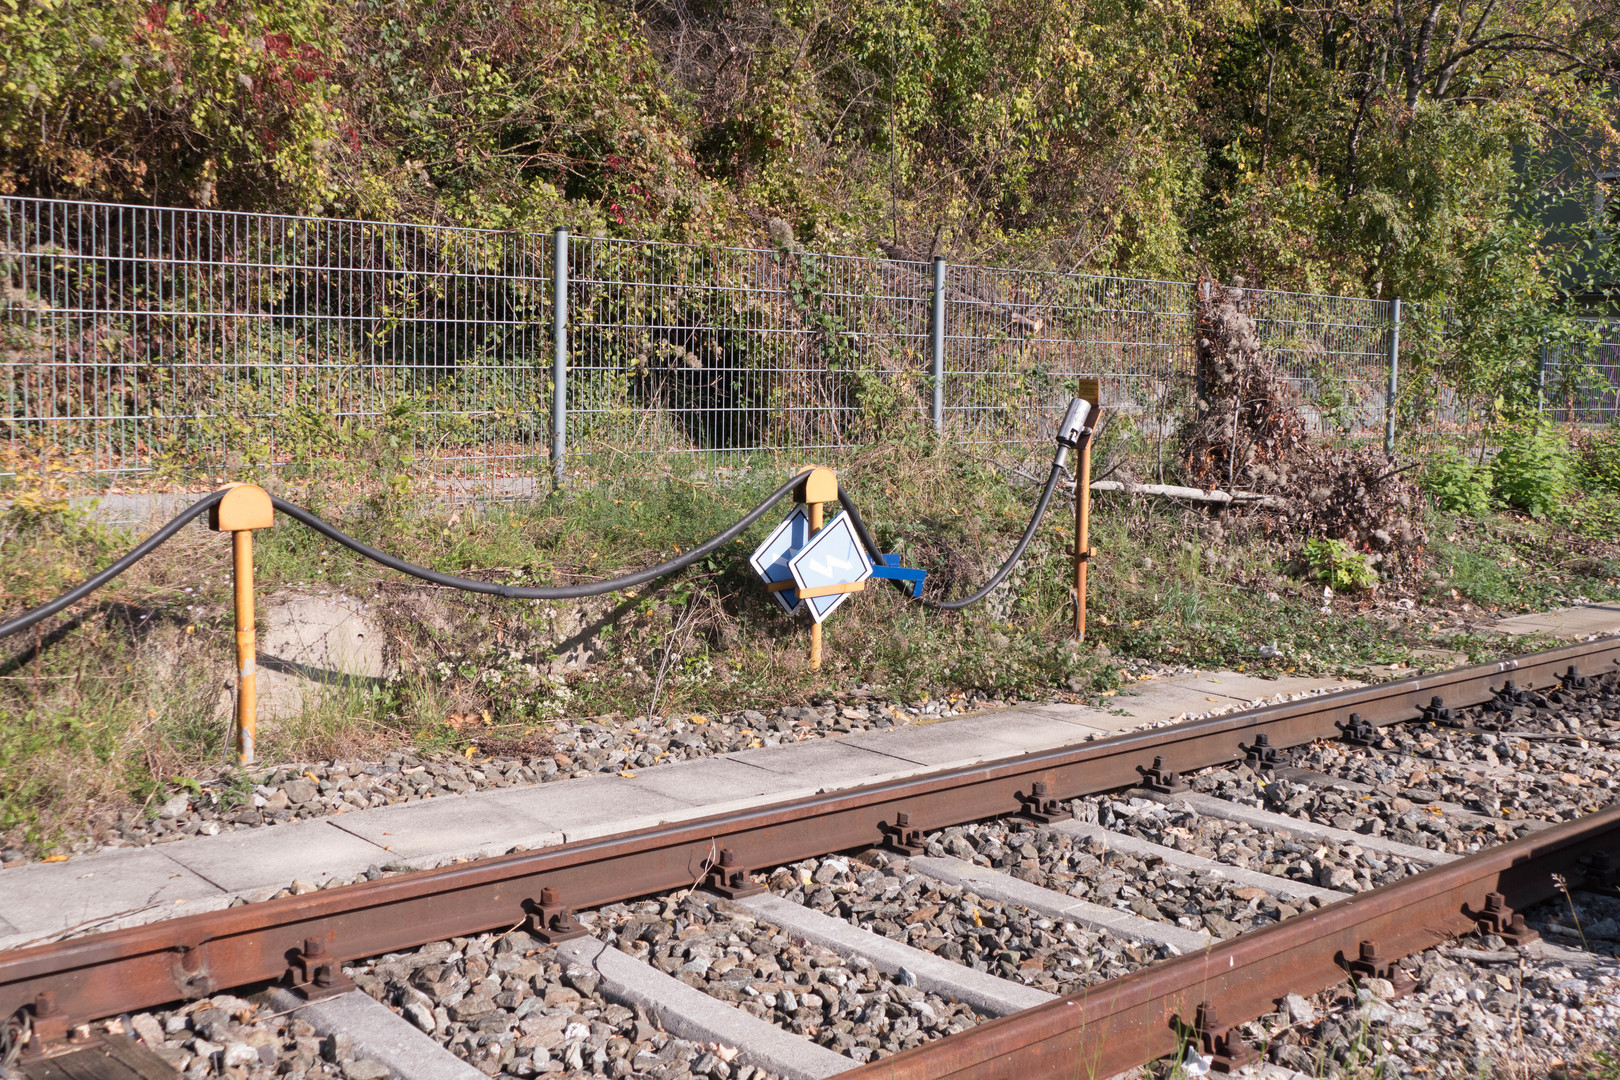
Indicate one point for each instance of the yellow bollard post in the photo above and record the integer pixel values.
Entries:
(244, 509)
(820, 485)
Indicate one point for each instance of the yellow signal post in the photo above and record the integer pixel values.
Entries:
(1090, 391)
(244, 509)
(820, 486)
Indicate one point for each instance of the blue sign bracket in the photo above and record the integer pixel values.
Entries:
(895, 572)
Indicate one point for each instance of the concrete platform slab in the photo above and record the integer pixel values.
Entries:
(691, 1014)
(1565, 622)
(256, 858)
(93, 890)
(1142, 703)
(379, 1034)
(465, 826)
(992, 884)
(972, 739)
(987, 994)
(716, 784)
(592, 807)
(828, 764)
(1243, 689)
(1238, 876)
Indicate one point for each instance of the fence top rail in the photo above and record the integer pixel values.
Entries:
(583, 240)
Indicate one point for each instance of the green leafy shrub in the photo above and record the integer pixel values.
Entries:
(1459, 485)
(1339, 566)
(1597, 468)
(1532, 472)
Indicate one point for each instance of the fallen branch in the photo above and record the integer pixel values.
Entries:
(1192, 494)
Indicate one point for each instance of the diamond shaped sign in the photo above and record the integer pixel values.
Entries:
(834, 556)
(770, 559)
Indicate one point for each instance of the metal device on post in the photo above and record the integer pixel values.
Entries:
(244, 509)
(1074, 433)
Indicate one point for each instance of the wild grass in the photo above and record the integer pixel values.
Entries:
(130, 691)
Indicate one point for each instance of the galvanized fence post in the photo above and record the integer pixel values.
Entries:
(559, 362)
(1394, 369)
(937, 327)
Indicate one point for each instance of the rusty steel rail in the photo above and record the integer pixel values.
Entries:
(1153, 1012)
(145, 966)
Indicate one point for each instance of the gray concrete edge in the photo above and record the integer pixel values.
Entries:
(691, 1014)
(987, 994)
(379, 1034)
(1003, 887)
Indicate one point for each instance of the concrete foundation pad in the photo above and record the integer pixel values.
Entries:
(1146, 849)
(691, 1014)
(98, 891)
(987, 994)
(316, 850)
(379, 1034)
(1004, 888)
(464, 826)
(1210, 806)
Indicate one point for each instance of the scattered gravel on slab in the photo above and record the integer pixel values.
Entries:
(848, 1006)
(1346, 867)
(883, 895)
(1087, 870)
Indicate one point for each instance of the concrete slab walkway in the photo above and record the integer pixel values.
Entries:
(1579, 621)
(112, 889)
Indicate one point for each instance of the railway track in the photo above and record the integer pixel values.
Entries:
(1173, 892)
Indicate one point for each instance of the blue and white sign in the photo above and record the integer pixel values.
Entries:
(834, 556)
(770, 559)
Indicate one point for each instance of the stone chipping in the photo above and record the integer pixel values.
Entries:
(881, 894)
(1087, 869)
(846, 1005)
(506, 1004)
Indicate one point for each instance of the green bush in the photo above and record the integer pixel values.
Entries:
(1459, 485)
(1597, 469)
(1339, 566)
(1533, 470)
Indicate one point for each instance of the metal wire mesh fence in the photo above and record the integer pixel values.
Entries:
(1581, 383)
(145, 347)
(174, 344)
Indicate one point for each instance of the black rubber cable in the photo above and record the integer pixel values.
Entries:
(515, 592)
(553, 592)
(865, 537)
(72, 596)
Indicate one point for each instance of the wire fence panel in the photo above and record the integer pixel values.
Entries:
(1332, 354)
(1581, 383)
(151, 346)
(176, 344)
(1016, 340)
(676, 349)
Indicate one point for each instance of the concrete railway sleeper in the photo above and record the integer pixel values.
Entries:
(1019, 918)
